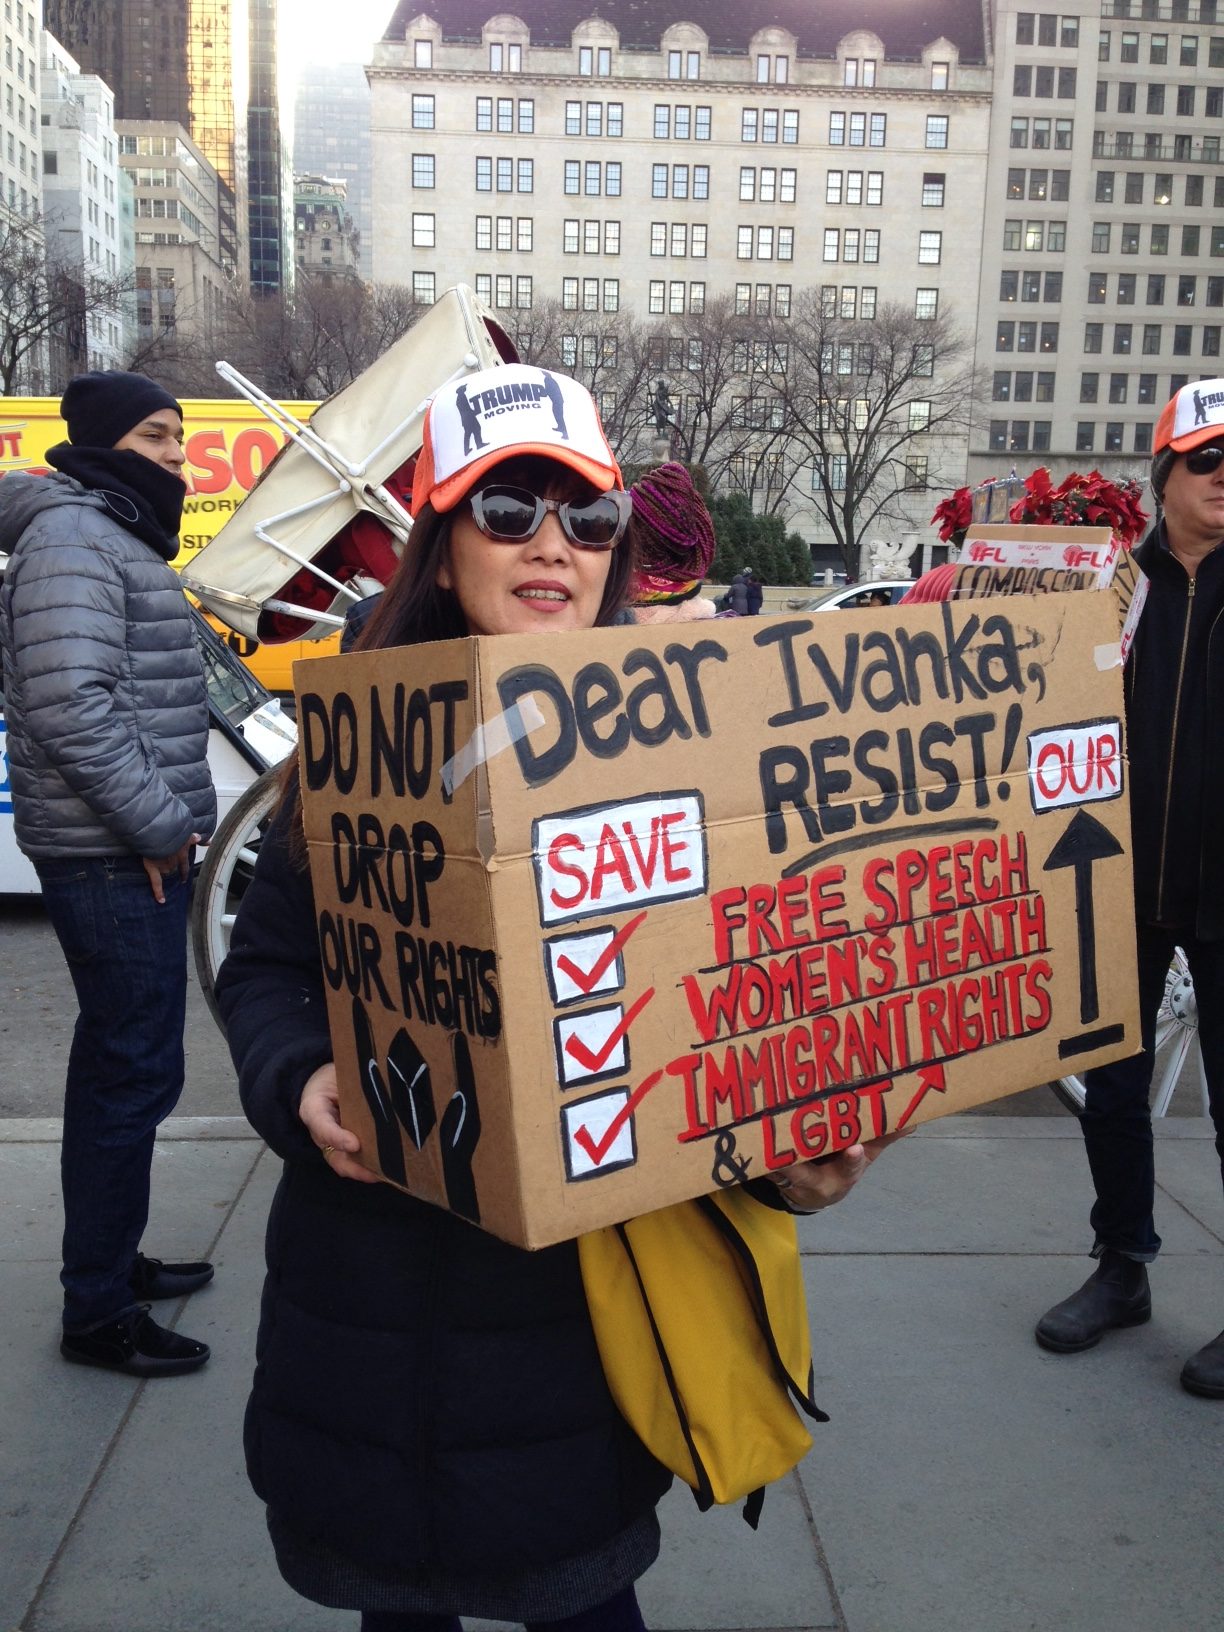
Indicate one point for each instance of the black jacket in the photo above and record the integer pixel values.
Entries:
(424, 1395)
(1174, 704)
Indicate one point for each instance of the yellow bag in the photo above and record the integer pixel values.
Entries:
(701, 1322)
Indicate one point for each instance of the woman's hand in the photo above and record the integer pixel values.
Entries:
(808, 1187)
(319, 1109)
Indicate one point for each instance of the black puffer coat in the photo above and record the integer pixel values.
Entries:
(425, 1395)
(1174, 703)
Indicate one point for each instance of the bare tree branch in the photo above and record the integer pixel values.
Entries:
(45, 302)
(866, 400)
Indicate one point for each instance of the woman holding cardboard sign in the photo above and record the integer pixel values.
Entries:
(430, 1424)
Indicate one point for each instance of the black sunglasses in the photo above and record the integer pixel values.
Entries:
(511, 515)
(1204, 461)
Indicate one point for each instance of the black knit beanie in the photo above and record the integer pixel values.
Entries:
(103, 406)
(1162, 464)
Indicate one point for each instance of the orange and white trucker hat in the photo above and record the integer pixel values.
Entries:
(481, 420)
(1195, 415)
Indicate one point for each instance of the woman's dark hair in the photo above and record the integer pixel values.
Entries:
(413, 608)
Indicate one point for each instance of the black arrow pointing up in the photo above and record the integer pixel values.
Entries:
(1083, 842)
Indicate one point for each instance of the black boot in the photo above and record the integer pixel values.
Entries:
(1203, 1373)
(1115, 1294)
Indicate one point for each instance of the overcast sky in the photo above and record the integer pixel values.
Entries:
(327, 31)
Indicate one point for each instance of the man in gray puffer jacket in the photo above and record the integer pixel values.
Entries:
(107, 717)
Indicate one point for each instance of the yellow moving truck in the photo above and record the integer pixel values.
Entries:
(227, 443)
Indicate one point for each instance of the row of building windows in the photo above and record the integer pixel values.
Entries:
(1034, 236)
(1023, 385)
(596, 237)
(847, 187)
(1151, 339)
(1118, 385)
(765, 243)
(1058, 134)
(506, 106)
(1037, 79)
(680, 123)
(1130, 234)
(1045, 287)
(511, 175)
(675, 238)
(593, 178)
(1184, 149)
(1026, 335)
(848, 301)
(21, 65)
(1158, 287)
(675, 296)
(1188, 46)
(1154, 101)
(1132, 191)
(1047, 28)
(766, 185)
(682, 181)
(1039, 184)
(760, 299)
(16, 107)
(853, 244)
(1051, 235)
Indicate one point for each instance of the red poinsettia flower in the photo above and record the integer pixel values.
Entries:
(1082, 501)
(954, 513)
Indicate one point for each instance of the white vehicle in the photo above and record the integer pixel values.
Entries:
(846, 597)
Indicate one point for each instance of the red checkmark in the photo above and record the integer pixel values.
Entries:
(597, 1149)
(587, 979)
(596, 1061)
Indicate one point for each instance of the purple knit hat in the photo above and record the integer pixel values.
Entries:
(673, 535)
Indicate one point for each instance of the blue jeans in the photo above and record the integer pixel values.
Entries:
(128, 960)
(1117, 1121)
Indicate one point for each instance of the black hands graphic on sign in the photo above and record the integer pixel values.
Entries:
(460, 1134)
(386, 1126)
(411, 1089)
(402, 1102)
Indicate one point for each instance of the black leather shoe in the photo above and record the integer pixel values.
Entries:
(151, 1279)
(135, 1344)
(1115, 1294)
(1203, 1373)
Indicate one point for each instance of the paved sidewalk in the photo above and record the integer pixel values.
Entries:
(966, 1483)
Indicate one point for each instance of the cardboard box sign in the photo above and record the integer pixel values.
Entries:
(1032, 560)
(609, 920)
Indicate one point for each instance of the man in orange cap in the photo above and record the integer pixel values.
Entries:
(1174, 699)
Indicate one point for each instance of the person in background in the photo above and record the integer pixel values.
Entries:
(430, 1426)
(756, 593)
(107, 716)
(737, 593)
(1174, 682)
(671, 536)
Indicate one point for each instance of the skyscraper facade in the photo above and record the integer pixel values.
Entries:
(331, 137)
(269, 177)
(185, 62)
